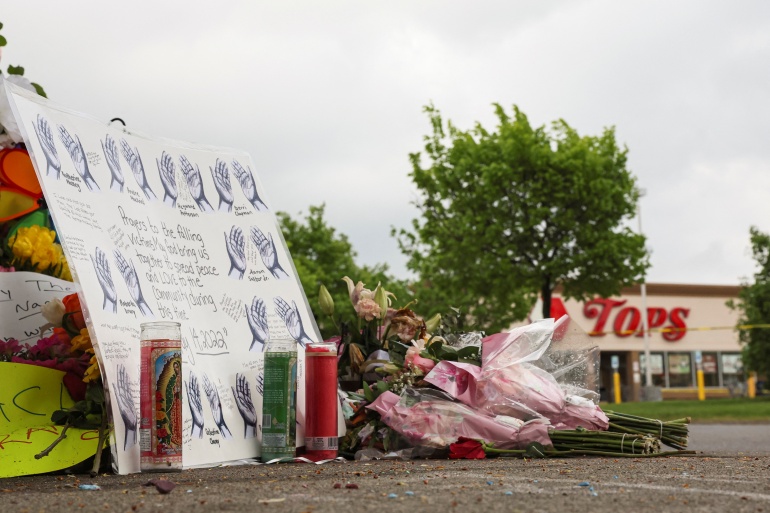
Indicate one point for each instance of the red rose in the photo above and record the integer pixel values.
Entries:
(162, 433)
(75, 386)
(467, 448)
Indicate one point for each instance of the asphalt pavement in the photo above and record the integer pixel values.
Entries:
(731, 472)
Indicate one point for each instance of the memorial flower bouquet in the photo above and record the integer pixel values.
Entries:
(386, 349)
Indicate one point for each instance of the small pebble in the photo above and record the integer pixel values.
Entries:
(352, 486)
(594, 494)
(409, 493)
(392, 496)
(584, 483)
(614, 477)
(535, 481)
(509, 493)
(337, 485)
(89, 487)
(490, 482)
(189, 491)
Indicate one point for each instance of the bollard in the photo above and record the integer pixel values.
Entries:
(751, 385)
(701, 385)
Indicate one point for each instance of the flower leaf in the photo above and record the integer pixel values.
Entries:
(59, 417)
(468, 352)
(3, 41)
(536, 450)
(15, 70)
(39, 89)
(95, 393)
(368, 394)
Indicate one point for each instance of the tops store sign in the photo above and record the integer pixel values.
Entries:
(627, 320)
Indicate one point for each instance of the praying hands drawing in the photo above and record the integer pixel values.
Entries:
(45, 137)
(126, 406)
(249, 186)
(216, 407)
(242, 395)
(222, 182)
(236, 250)
(267, 251)
(137, 167)
(78, 155)
(196, 408)
(110, 149)
(290, 316)
(168, 179)
(103, 274)
(192, 176)
(257, 317)
(131, 277)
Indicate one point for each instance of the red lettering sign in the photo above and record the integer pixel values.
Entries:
(628, 320)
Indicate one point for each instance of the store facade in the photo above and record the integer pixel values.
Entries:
(686, 323)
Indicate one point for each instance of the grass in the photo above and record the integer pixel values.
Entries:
(712, 411)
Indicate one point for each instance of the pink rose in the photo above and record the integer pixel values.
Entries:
(367, 309)
(414, 360)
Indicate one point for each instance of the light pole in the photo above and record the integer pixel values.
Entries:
(645, 320)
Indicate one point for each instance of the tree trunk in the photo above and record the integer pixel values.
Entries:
(545, 292)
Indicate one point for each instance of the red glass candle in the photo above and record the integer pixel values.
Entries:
(321, 403)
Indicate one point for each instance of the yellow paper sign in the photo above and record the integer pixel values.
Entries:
(28, 397)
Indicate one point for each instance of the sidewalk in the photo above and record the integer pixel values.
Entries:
(707, 482)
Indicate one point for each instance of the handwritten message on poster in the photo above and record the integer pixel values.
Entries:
(161, 230)
(21, 296)
(29, 396)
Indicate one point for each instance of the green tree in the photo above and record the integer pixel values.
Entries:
(510, 213)
(323, 256)
(754, 307)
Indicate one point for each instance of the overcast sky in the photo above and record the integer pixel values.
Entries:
(327, 97)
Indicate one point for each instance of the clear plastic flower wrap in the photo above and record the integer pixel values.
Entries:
(518, 377)
(427, 417)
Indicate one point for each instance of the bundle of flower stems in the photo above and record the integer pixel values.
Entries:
(584, 442)
(581, 442)
(672, 433)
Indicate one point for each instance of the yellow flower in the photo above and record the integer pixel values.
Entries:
(64, 273)
(35, 245)
(92, 372)
(82, 342)
(160, 415)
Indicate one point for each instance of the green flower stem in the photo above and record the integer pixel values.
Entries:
(100, 443)
(45, 452)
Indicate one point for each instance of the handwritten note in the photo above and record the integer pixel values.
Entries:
(27, 400)
(21, 296)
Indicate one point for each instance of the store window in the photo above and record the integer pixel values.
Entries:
(732, 370)
(710, 370)
(657, 369)
(679, 370)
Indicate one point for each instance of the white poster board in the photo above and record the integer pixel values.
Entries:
(163, 230)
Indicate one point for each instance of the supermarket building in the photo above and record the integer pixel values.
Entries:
(686, 321)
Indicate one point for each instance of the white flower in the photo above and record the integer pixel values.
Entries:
(7, 120)
(54, 311)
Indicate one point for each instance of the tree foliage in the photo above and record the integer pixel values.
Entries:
(323, 256)
(754, 307)
(510, 213)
